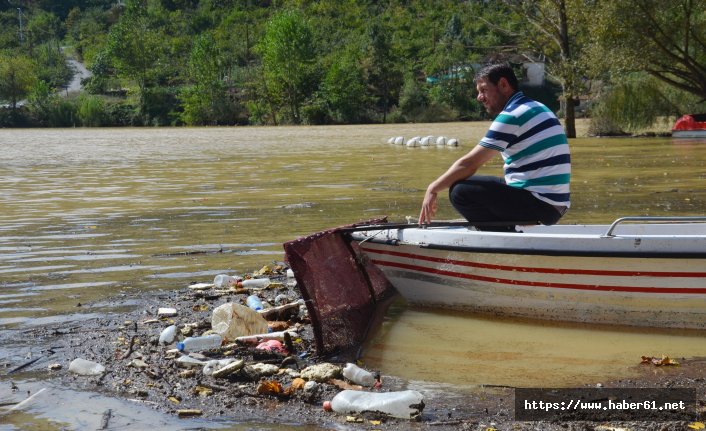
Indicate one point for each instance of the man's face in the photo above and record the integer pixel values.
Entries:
(493, 97)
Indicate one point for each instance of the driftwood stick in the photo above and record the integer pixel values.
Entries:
(130, 347)
(105, 419)
(25, 401)
(25, 365)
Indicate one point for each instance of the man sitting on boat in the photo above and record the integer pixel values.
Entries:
(537, 167)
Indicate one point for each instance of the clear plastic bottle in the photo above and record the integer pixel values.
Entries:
(224, 280)
(254, 302)
(197, 344)
(403, 404)
(168, 335)
(85, 367)
(358, 375)
(255, 283)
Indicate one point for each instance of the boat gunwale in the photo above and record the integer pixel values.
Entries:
(544, 251)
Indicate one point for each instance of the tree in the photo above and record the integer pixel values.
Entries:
(17, 77)
(135, 47)
(666, 39)
(383, 77)
(288, 59)
(207, 101)
(344, 89)
(558, 34)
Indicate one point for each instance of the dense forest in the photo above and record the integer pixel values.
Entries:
(624, 63)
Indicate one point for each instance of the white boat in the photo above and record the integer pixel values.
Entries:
(638, 271)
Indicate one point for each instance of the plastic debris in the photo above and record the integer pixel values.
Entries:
(189, 362)
(85, 367)
(272, 345)
(232, 320)
(197, 344)
(166, 312)
(358, 375)
(229, 369)
(257, 338)
(168, 335)
(402, 404)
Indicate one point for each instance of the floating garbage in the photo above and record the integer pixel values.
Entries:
(166, 312)
(257, 338)
(189, 362)
(210, 367)
(231, 320)
(273, 346)
(225, 280)
(254, 302)
(168, 335)
(254, 283)
(197, 344)
(85, 367)
(229, 369)
(358, 375)
(402, 404)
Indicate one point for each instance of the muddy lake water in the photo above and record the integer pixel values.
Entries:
(89, 214)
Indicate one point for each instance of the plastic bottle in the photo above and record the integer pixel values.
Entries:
(255, 282)
(358, 375)
(224, 280)
(254, 302)
(196, 344)
(290, 273)
(232, 320)
(85, 367)
(168, 335)
(402, 404)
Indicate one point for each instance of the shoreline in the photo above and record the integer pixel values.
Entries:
(139, 368)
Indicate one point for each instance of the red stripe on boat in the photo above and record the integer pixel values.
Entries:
(539, 270)
(697, 290)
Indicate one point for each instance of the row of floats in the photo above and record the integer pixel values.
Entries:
(424, 141)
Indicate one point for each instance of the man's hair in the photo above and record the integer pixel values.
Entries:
(493, 73)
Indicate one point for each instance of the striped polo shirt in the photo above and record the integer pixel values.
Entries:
(534, 147)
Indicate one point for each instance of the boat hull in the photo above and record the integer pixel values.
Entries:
(631, 285)
(698, 133)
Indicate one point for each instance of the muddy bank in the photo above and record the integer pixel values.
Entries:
(274, 386)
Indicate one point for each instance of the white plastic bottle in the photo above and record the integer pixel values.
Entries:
(254, 302)
(358, 375)
(197, 344)
(168, 335)
(224, 280)
(255, 283)
(403, 404)
(85, 367)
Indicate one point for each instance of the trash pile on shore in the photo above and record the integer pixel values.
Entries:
(207, 348)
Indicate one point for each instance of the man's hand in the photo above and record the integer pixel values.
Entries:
(428, 207)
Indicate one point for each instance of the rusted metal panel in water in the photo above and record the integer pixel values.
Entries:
(346, 295)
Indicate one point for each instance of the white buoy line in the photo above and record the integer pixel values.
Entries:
(424, 141)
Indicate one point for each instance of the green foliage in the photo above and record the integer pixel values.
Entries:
(210, 62)
(289, 61)
(665, 39)
(91, 111)
(40, 101)
(343, 89)
(637, 102)
(136, 46)
(17, 76)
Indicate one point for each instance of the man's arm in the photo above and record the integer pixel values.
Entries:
(459, 170)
